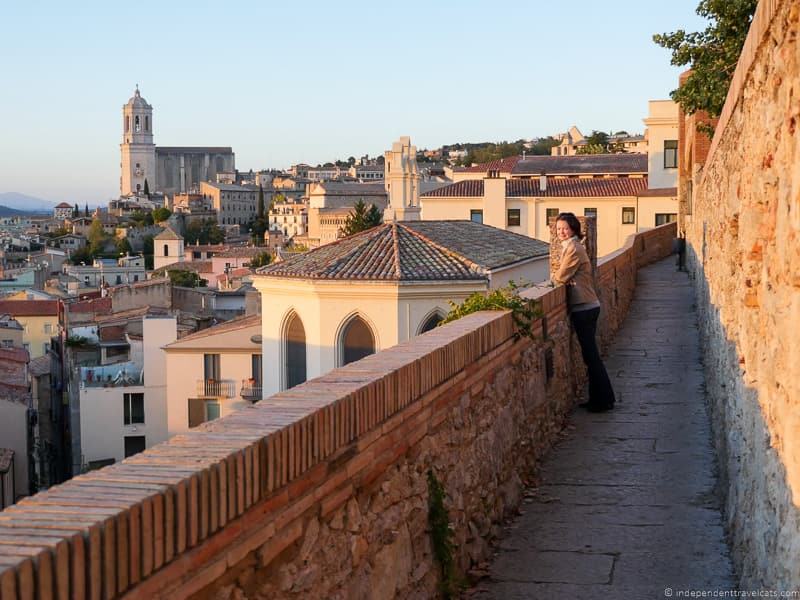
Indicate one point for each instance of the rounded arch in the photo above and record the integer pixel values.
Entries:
(293, 342)
(355, 339)
(431, 321)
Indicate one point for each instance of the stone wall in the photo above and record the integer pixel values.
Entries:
(744, 253)
(321, 491)
(154, 292)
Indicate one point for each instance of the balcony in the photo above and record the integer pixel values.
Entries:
(121, 374)
(250, 390)
(216, 388)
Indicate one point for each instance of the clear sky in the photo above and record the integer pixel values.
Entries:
(314, 81)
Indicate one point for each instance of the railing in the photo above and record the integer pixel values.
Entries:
(116, 375)
(250, 390)
(216, 388)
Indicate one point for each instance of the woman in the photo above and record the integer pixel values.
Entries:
(575, 271)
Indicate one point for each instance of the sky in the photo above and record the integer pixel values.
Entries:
(283, 83)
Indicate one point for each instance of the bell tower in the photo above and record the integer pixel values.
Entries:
(138, 150)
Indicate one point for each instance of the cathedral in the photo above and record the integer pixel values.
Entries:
(171, 170)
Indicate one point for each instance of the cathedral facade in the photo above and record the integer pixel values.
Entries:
(171, 170)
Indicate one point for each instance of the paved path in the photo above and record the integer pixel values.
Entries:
(627, 505)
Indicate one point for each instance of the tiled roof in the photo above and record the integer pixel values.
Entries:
(576, 188)
(582, 164)
(40, 365)
(64, 205)
(195, 340)
(412, 251)
(556, 188)
(659, 192)
(241, 252)
(29, 308)
(168, 234)
(339, 188)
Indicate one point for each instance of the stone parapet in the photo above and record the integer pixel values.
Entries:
(321, 491)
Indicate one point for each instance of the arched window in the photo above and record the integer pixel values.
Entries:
(166, 249)
(357, 341)
(127, 124)
(431, 322)
(295, 352)
(136, 125)
(147, 123)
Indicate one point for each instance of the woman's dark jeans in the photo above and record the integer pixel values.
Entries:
(601, 394)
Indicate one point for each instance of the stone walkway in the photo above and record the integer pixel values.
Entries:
(627, 505)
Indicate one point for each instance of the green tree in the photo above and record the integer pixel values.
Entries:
(204, 232)
(86, 210)
(712, 53)
(124, 246)
(260, 208)
(97, 237)
(161, 214)
(76, 211)
(361, 218)
(183, 278)
(81, 255)
(257, 229)
(147, 251)
(543, 145)
(261, 260)
(146, 188)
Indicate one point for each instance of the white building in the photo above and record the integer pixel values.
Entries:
(62, 211)
(662, 140)
(290, 217)
(213, 372)
(372, 290)
(107, 271)
(167, 248)
(123, 405)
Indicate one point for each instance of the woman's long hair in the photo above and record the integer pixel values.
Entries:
(571, 220)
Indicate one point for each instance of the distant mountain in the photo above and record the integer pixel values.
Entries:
(10, 212)
(25, 203)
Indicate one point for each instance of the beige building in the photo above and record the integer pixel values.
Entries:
(337, 303)
(213, 372)
(329, 204)
(235, 204)
(11, 332)
(39, 319)
(289, 217)
(63, 211)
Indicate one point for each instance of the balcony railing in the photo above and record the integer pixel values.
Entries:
(117, 375)
(250, 390)
(216, 388)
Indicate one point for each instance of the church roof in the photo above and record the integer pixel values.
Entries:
(137, 101)
(168, 234)
(413, 251)
(64, 205)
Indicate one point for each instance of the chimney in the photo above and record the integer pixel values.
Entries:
(543, 182)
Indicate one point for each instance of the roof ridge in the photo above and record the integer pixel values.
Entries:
(396, 249)
(444, 250)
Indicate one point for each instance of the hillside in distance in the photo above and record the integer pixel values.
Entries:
(25, 203)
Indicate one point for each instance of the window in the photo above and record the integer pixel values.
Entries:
(513, 219)
(46, 347)
(137, 126)
(166, 250)
(133, 405)
(48, 328)
(590, 212)
(664, 218)
(211, 410)
(670, 154)
(476, 216)
(552, 214)
(134, 444)
(119, 279)
(147, 123)
(135, 278)
(628, 215)
(431, 322)
(255, 367)
(357, 341)
(211, 367)
(8, 343)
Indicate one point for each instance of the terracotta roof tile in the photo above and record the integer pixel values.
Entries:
(413, 251)
(29, 308)
(558, 188)
(582, 164)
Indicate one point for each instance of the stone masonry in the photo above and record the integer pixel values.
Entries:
(743, 250)
(321, 491)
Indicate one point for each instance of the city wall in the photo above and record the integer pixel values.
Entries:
(323, 491)
(743, 247)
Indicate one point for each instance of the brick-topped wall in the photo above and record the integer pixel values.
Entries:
(743, 249)
(321, 491)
